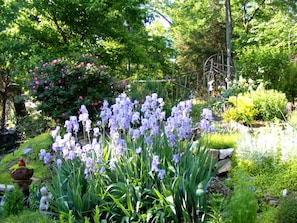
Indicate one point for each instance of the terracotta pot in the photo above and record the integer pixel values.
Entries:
(22, 173)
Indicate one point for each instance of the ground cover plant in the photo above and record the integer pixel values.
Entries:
(269, 158)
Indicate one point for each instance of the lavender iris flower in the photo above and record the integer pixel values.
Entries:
(178, 125)
(175, 158)
(112, 165)
(161, 174)
(155, 164)
(47, 158)
(59, 162)
(41, 154)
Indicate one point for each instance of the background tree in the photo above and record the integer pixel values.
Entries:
(116, 31)
(198, 30)
(263, 40)
(265, 51)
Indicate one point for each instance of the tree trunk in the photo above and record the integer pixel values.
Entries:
(228, 38)
(3, 116)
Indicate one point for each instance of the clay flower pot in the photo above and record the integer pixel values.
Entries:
(22, 173)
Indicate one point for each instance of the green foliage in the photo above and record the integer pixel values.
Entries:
(207, 30)
(217, 207)
(71, 191)
(197, 109)
(62, 85)
(34, 196)
(242, 109)
(287, 83)
(185, 186)
(287, 209)
(270, 104)
(257, 65)
(270, 176)
(131, 192)
(243, 204)
(13, 202)
(34, 123)
(265, 54)
(116, 30)
(267, 215)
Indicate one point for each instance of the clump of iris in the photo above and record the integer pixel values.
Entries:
(123, 118)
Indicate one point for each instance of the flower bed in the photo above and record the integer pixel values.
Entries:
(145, 169)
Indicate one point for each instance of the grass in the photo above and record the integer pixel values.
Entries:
(220, 141)
(27, 216)
(42, 141)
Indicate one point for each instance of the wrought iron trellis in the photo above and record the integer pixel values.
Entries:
(215, 73)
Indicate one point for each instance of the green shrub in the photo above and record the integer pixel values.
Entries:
(62, 85)
(241, 109)
(270, 104)
(287, 209)
(261, 104)
(13, 202)
(268, 215)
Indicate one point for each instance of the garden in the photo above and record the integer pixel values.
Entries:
(148, 111)
(140, 160)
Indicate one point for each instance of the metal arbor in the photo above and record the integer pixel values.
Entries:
(215, 73)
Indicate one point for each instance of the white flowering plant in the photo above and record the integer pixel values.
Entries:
(133, 165)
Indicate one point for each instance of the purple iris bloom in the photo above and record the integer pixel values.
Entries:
(175, 158)
(155, 164)
(161, 174)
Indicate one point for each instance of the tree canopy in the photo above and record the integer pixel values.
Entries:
(126, 36)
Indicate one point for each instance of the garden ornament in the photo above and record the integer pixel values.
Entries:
(22, 162)
(44, 201)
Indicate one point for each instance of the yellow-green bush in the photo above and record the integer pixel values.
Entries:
(261, 104)
(241, 109)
